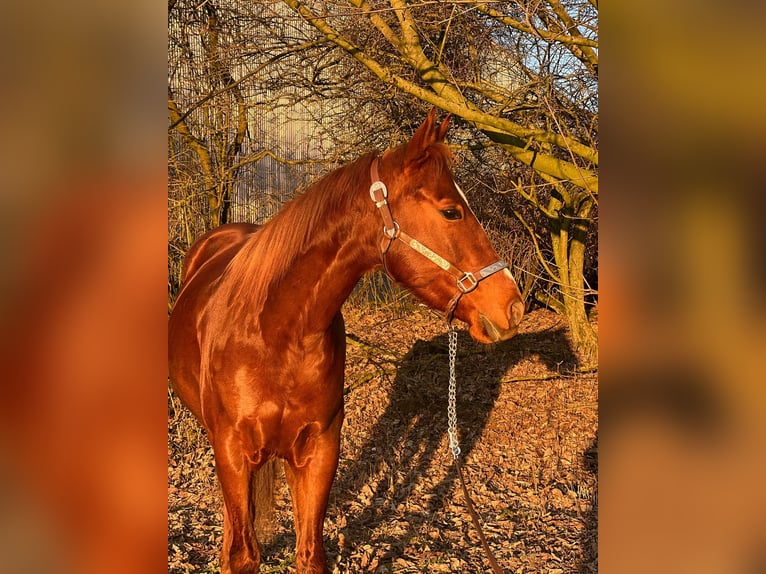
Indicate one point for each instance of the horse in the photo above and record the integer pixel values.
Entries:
(257, 338)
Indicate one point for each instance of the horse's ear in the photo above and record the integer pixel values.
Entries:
(442, 130)
(428, 133)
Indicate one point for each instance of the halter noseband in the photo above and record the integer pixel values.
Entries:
(465, 280)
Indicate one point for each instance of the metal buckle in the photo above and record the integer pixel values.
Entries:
(378, 185)
(468, 276)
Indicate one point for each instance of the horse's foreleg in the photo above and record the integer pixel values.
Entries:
(310, 474)
(240, 553)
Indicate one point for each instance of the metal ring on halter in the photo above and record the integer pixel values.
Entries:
(392, 233)
(471, 281)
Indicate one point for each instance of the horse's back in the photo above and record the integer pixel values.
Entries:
(214, 242)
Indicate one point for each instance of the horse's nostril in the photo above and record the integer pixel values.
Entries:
(516, 313)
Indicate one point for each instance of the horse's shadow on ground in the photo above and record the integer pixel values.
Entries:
(409, 436)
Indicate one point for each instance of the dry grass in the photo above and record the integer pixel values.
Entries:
(528, 433)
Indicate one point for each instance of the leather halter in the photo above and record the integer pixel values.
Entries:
(466, 281)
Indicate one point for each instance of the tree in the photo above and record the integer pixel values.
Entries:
(224, 123)
(524, 76)
(226, 68)
(519, 77)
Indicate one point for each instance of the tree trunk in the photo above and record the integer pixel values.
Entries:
(568, 234)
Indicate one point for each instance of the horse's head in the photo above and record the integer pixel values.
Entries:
(435, 246)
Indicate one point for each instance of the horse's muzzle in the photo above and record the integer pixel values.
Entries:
(496, 333)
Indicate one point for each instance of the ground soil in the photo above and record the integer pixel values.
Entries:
(528, 428)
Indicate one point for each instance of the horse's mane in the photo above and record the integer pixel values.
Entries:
(266, 256)
(264, 259)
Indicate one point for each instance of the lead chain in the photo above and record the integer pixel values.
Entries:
(451, 412)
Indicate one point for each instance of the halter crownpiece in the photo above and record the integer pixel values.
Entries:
(466, 281)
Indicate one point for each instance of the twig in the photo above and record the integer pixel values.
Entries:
(571, 375)
(355, 341)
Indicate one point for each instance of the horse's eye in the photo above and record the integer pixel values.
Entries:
(451, 214)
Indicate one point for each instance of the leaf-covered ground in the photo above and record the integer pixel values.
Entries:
(528, 428)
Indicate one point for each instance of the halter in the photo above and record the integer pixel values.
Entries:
(466, 281)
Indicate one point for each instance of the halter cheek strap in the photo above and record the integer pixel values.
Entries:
(466, 281)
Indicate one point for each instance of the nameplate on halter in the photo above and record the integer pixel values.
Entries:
(426, 252)
(494, 268)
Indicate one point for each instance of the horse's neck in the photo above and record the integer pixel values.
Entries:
(321, 276)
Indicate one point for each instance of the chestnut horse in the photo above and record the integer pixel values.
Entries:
(257, 340)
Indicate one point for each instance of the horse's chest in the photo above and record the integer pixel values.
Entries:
(295, 403)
